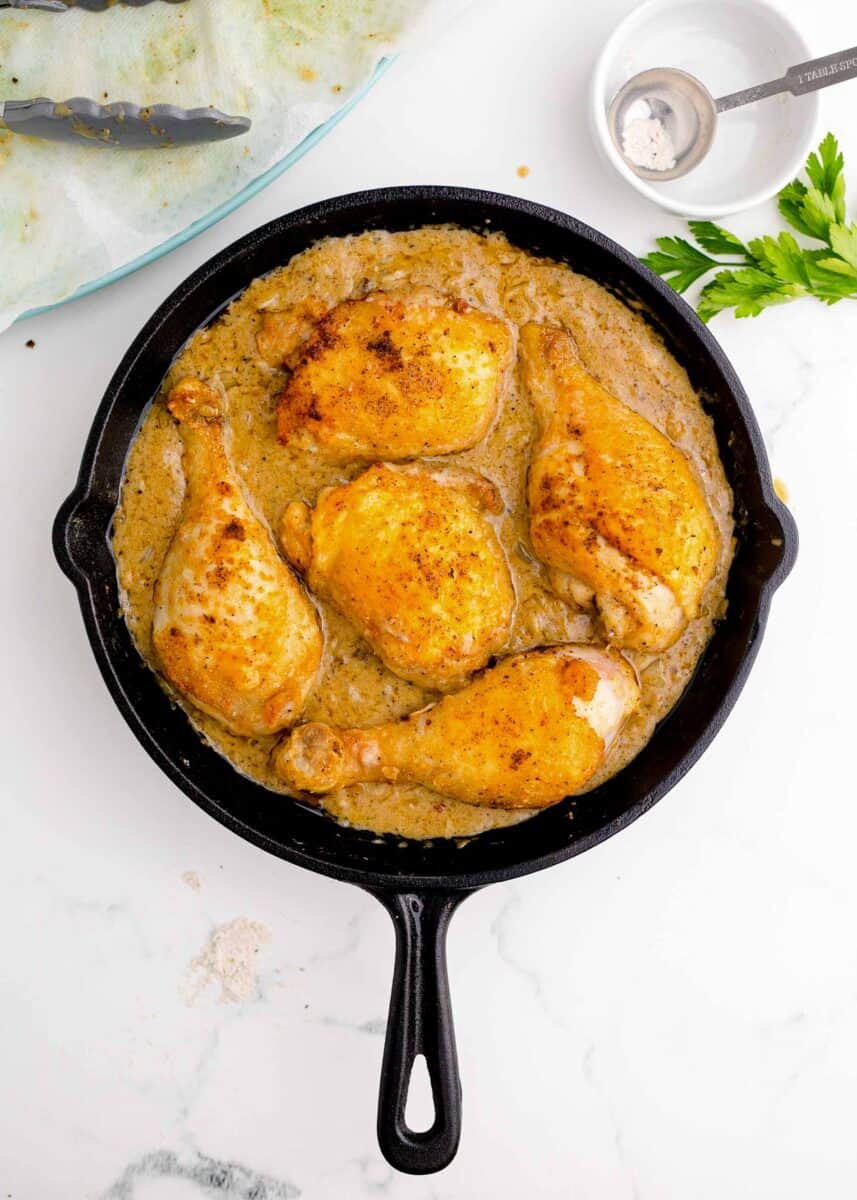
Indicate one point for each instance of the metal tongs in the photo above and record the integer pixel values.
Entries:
(119, 124)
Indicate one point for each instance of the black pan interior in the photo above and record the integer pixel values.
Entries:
(767, 543)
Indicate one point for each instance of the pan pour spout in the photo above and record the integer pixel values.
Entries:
(525, 734)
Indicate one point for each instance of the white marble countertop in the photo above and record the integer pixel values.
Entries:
(672, 1015)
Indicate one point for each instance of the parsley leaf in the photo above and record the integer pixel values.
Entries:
(819, 213)
(772, 270)
(782, 257)
(716, 240)
(747, 291)
(679, 262)
(790, 204)
(831, 279)
(843, 240)
(824, 169)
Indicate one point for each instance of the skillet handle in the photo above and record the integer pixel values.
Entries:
(420, 1022)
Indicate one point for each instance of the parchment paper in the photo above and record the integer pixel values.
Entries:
(71, 214)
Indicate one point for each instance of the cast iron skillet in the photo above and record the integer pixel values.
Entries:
(421, 884)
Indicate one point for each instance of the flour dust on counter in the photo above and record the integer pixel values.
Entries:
(243, 354)
(228, 958)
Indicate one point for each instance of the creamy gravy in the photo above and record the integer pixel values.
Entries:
(615, 344)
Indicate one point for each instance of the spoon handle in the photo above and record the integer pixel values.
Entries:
(805, 77)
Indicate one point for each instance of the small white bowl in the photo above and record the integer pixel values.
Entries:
(728, 45)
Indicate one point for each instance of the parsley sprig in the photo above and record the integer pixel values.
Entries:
(754, 275)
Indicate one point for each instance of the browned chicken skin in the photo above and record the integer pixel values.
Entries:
(409, 556)
(524, 734)
(395, 376)
(233, 629)
(616, 511)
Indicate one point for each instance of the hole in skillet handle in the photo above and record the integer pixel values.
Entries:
(420, 1024)
(420, 1100)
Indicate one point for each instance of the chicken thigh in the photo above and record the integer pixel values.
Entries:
(410, 558)
(616, 512)
(233, 629)
(396, 375)
(526, 733)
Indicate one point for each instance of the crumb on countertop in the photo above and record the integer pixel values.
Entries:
(781, 488)
(523, 171)
(30, 344)
(192, 879)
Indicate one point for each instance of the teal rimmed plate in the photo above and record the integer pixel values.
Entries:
(222, 210)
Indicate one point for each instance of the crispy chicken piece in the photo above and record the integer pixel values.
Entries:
(407, 554)
(233, 629)
(524, 734)
(616, 512)
(396, 375)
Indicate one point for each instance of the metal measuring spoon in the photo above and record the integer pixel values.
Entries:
(121, 124)
(688, 112)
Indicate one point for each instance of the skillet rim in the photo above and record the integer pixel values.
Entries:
(83, 518)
